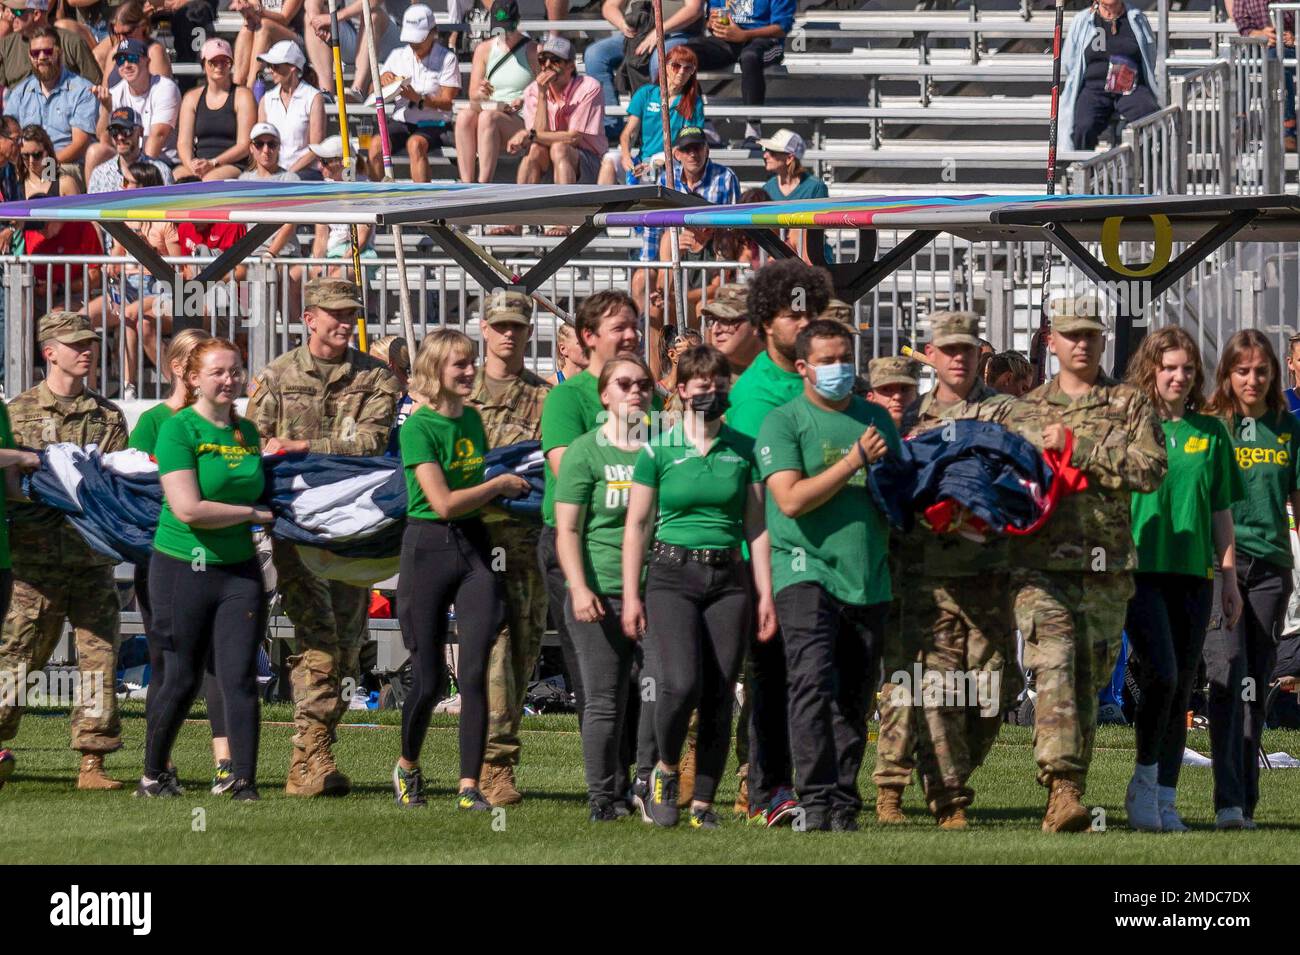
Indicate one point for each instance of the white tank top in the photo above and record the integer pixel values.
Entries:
(511, 77)
(293, 121)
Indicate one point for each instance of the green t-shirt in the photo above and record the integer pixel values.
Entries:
(701, 497)
(6, 441)
(843, 545)
(1266, 460)
(1171, 526)
(145, 433)
(763, 387)
(228, 466)
(598, 475)
(456, 445)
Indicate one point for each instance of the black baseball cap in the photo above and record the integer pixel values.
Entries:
(691, 136)
(124, 117)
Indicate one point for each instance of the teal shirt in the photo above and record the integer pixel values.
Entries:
(762, 388)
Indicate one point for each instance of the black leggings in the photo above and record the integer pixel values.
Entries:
(1167, 617)
(445, 563)
(699, 618)
(754, 57)
(207, 620)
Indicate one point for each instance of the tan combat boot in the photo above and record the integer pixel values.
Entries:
(741, 807)
(497, 784)
(1065, 809)
(314, 772)
(889, 805)
(951, 818)
(92, 775)
(686, 776)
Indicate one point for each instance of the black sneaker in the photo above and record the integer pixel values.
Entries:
(704, 819)
(223, 780)
(816, 820)
(640, 796)
(408, 787)
(622, 809)
(602, 810)
(471, 800)
(160, 788)
(662, 804)
(844, 820)
(242, 790)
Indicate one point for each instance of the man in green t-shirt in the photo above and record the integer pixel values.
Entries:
(830, 574)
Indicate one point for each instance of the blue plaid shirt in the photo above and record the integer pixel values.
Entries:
(718, 186)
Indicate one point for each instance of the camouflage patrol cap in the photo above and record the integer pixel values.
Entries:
(1079, 313)
(728, 301)
(954, 328)
(893, 370)
(66, 327)
(839, 311)
(506, 307)
(332, 293)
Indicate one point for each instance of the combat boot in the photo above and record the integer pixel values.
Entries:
(92, 775)
(889, 805)
(297, 769)
(686, 776)
(497, 784)
(317, 774)
(1065, 809)
(953, 817)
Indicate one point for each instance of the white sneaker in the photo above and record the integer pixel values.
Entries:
(1141, 802)
(1230, 818)
(1170, 821)
(450, 705)
(360, 701)
(128, 392)
(1247, 822)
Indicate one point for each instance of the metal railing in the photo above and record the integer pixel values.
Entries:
(1156, 142)
(1202, 98)
(1255, 122)
(1107, 174)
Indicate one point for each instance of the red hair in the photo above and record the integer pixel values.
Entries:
(691, 94)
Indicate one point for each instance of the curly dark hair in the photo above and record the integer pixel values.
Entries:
(776, 287)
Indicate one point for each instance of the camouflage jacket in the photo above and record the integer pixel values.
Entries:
(349, 411)
(1119, 445)
(42, 535)
(515, 416)
(923, 553)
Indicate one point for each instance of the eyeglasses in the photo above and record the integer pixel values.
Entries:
(266, 144)
(42, 53)
(122, 58)
(643, 385)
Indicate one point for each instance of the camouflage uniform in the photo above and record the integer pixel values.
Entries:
(56, 574)
(510, 417)
(1072, 580)
(349, 411)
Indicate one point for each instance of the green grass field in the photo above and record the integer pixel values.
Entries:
(45, 820)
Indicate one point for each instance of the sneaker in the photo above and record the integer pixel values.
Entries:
(662, 804)
(816, 820)
(1230, 818)
(1248, 822)
(471, 800)
(602, 810)
(159, 788)
(408, 787)
(844, 820)
(172, 782)
(757, 816)
(1142, 804)
(640, 796)
(1170, 821)
(242, 790)
(7, 764)
(622, 809)
(782, 808)
(704, 819)
(450, 705)
(224, 778)
(128, 392)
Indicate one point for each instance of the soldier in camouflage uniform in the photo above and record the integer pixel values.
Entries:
(1071, 581)
(56, 574)
(509, 399)
(329, 398)
(954, 603)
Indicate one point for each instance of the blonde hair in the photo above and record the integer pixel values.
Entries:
(195, 362)
(435, 351)
(392, 351)
(178, 351)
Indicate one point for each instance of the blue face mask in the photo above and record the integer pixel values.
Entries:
(834, 382)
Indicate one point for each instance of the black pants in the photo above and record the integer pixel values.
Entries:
(207, 620)
(832, 652)
(1095, 108)
(699, 619)
(445, 563)
(1167, 617)
(754, 57)
(557, 592)
(1239, 664)
(770, 767)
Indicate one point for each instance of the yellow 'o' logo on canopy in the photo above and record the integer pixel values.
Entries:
(1164, 246)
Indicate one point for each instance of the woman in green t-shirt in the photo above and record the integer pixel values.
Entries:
(446, 559)
(699, 483)
(1248, 396)
(205, 583)
(1182, 532)
(590, 509)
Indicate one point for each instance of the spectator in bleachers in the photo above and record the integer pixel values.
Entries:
(216, 120)
(89, 18)
(695, 245)
(155, 99)
(1109, 66)
(353, 47)
(54, 98)
(265, 24)
(501, 70)
(682, 20)
(423, 109)
(1252, 18)
(569, 354)
(475, 13)
(30, 16)
(265, 156)
(783, 157)
(294, 106)
(56, 237)
(131, 22)
(642, 140)
(11, 177)
(127, 135)
(566, 138)
(751, 32)
(334, 241)
(189, 20)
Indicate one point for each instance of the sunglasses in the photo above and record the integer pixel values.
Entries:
(122, 58)
(690, 148)
(121, 132)
(19, 14)
(33, 156)
(43, 53)
(550, 60)
(679, 65)
(643, 385)
(219, 61)
(265, 144)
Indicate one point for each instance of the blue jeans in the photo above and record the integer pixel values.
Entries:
(603, 57)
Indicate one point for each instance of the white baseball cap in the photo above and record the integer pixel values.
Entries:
(263, 129)
(785, 141)
(417, 23)
(331, 148)
(286, 51)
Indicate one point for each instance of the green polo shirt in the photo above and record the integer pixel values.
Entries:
(1265, 450)
(843, 545)
(701, 497)
(763, 387)
(456, 445)
(598, 476)
(145, 433)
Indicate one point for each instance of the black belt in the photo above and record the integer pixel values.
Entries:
(672, 554)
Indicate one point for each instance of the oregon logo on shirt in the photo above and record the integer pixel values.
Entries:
(1196, 445)
(467, 459)
(618, 484)
(232, 454)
